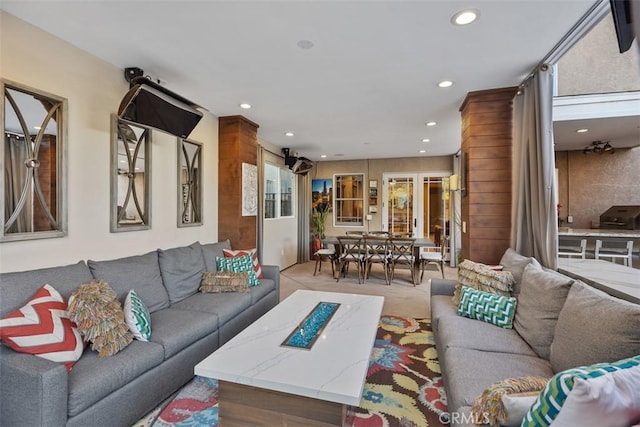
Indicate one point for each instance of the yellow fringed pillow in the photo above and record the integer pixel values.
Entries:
(507, 402)
(98, 314)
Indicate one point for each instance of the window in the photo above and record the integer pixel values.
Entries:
(349, 200)
(278, 194)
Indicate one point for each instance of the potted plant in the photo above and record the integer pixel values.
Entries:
(318, 218)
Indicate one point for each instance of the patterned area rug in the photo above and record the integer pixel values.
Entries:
(403, 386)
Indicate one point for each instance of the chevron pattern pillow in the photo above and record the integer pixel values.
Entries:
(228, 253)
(491, 308)
(549, 404)
(137, 316)
(238, 264)
(43, 328)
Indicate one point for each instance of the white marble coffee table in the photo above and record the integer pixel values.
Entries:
(615, 279)
(265, 383)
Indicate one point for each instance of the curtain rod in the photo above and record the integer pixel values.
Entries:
(589, 20)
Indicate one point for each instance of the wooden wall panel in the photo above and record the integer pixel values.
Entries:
(238, 144)
(487, 148)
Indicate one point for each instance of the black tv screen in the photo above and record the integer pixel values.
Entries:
(150, 107)
(623, 22)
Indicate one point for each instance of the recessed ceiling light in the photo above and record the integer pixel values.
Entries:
(324, 156)
(582, 130)
(289, 133)
(423, 151)
(245, 105)
(305, 44)
(445, 83)
(465, 17)
(431, 123)
(426, 140)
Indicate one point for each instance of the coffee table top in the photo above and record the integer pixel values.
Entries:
(334, 369)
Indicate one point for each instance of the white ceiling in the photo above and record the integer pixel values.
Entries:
(365, 89)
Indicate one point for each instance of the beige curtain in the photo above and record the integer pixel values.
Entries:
(534, 216)
(16, 178)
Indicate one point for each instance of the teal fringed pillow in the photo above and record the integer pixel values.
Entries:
(137, 316)
(238, 264)
(491, 308)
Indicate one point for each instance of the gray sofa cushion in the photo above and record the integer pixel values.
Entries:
(470, 372)
(541, 298)
(594, 327)
(181, 270)
(93, 378)
(261, 290)
(226, 305)
(141, 272)
(16, 288)
(175, 329)
(442, 307)
(477, 335)
(213, 250)
(515, 263)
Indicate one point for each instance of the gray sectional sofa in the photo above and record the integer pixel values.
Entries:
(559, 324)
(118, 390)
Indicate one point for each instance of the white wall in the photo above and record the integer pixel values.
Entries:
(94, 89)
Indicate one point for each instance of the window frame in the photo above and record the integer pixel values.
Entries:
(277, 199)
(337, 200)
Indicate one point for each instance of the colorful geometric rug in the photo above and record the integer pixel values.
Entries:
(403, 387)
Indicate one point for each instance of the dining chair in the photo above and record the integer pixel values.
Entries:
(571, 248)
(324, 253)
(615, 249)
(351, 251)
(401, 254)
(434, 255)
(376, 251)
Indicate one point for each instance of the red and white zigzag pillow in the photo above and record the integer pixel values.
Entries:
(254, 255)
(42, 328)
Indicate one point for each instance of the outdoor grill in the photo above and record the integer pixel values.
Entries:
(621, 218)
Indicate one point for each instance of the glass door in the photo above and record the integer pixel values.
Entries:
(435, 207)
(399, 202)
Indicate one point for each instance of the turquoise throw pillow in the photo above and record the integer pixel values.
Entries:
(491, 308)
(549, 403)
(238, 264)
(137, 316)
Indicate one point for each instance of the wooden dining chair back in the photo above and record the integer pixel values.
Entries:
(572, 248)
(401, 255)
(615, 249)
(376, 252)
(351, 252)
(434, 255)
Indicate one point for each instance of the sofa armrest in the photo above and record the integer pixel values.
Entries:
(272, 272)
(442, 286)
(33, 390)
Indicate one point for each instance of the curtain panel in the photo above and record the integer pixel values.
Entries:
(534, 215)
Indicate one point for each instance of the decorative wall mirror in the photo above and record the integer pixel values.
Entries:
(130, 176)
(33, 162)
(189, 183)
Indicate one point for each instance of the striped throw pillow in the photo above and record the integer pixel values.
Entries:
(137, 316)
(238, 264)
(43, 328)
(491, 308)
(545, 410)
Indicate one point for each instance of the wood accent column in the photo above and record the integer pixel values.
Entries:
(237, 144)
(487, 150)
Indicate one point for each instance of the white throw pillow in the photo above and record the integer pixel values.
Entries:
(609, 400)
(516, 406)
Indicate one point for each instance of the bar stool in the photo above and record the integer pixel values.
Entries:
(570, 248)
(615, 249)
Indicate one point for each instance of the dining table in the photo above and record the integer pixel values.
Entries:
(418, 244)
